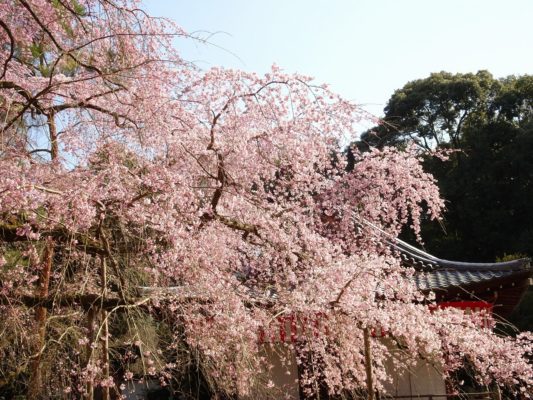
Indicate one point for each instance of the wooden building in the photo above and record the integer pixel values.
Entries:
(496, 288)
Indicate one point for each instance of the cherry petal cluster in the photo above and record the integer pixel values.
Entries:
(165, 216)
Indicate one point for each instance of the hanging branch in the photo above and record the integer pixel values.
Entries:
(91, 314)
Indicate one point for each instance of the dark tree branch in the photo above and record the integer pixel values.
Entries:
(12, 47)
(240, 226)
(32, 101)
(54, 40)
(40, 150)
(8, 234)
(85, 301)
(19, 89)
(82, 104)
(221, 178)
(73, 12)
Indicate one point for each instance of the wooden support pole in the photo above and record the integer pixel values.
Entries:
(368, 364)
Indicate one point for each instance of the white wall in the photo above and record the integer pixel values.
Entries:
(420, 381)
(283, 374)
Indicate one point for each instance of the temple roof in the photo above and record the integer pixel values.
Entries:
(441, 279)
(423, 261)
(502, 283)
(436, 273)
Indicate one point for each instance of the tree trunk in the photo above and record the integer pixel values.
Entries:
(54, 148)
(35, 381)
(368, 364)
(105, 333)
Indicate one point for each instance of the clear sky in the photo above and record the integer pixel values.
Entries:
(365, 49)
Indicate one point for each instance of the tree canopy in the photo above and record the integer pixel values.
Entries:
(155, 218)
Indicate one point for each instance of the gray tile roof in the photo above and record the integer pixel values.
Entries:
(446, 278)
(435, 273)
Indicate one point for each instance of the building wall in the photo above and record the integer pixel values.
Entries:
(421, 381)
(283, 375)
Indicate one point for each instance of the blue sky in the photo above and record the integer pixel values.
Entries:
(365, 49)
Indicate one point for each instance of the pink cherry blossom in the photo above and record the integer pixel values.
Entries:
(154, 214)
